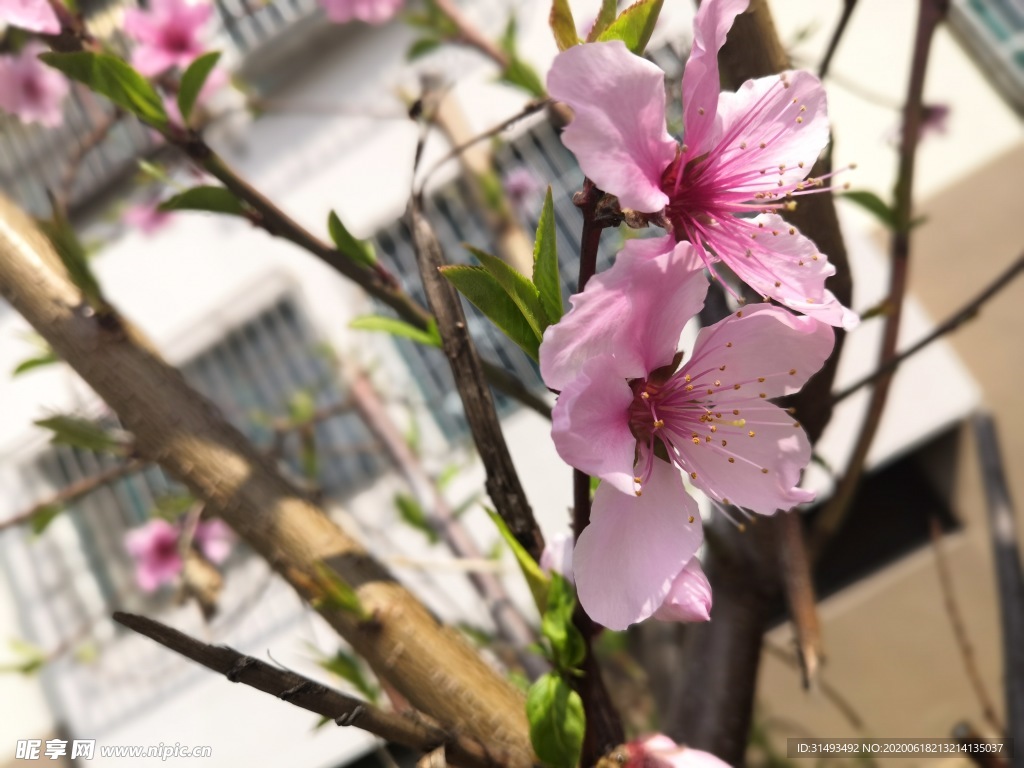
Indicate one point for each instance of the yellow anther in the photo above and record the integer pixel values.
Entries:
(760, 379)
(690, 519)
(693, 475)
(763, 145)
(799, 119)
(714, 428)
(718, 383)
(792, 371)
(778, 284)
(735, 386)
(721, 367)
(728, 344)
(763, 395)
(645, 395)
(659, 424)
(740, 313)
(725, 443)
(732, 460)
(689, 387)
(687, 378)
(696, 440)
(792, 230)
(751, 433)
(764, 471)
(700, 110)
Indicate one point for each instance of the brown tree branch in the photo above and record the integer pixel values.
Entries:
(76, 490)
(187, 435)
(315, 697)
(510, 622)
(963, 640)
(931, 14)
(502, 483)
(967, 312)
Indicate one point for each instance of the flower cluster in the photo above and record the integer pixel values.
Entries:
(169, 34)
(31, 90)
(633, 409)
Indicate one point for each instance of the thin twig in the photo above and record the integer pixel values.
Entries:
(798, 587)
(503, 485)
(1009, 576)
(963, 640)
(74, 161)
(76, 491)
(837, 35)
(967, 312)
(312, 696)
(470, 35)
(531, 108)
(845, 708)
(510, 622)
(931, 14)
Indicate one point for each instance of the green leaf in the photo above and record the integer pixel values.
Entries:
(34, 658)
(556, 625)
(563, 27)
(301, 407)
(604, 18)
(357, 250)
(111, 77)
(349, 669)
(507, 41)
(422, 47)
(557, 722)
(41, 519)
(171, 506)
(73, 256)
(536, 579)
(153, 171)
(873, 204)
(545, 263)
(431, 337)
(81, 433)
(413, 514)
(192, 82)
(635, 25)
(212, 199)
(522, 75)
(486, 293)
(24, 366)
(335, 593)
(518, 287)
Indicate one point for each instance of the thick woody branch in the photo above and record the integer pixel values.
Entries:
(502, 483)
(314, 697)
(188, 436)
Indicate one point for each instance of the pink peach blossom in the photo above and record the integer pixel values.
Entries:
(659, 751)
(689, 597)
(147, 217)
(743, 156)
(633, 412)
(33, 15)
(370, 11)
(155, 549)
(30, 89)
(168, 35)
(557, 556)
(214, 539)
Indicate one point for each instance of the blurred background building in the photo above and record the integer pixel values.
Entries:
(263, 329)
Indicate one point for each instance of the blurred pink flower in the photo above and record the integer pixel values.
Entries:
(521, 187)
(633, 413)
(155, 549)
(33, 15)
(214, 539)
(370, 11)
(147, 217)
(31, 90)
(167, 35)
(742, 154)
(659, 751)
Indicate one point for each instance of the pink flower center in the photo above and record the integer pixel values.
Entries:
(701, 407)
(177, 39)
